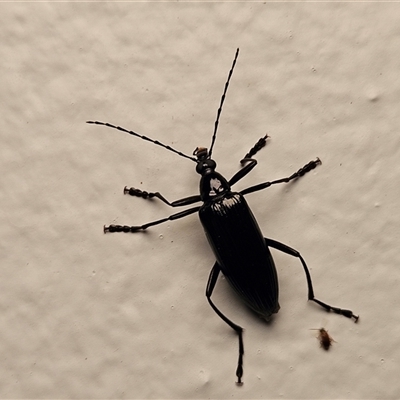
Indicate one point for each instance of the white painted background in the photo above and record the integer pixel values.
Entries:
(88, 315)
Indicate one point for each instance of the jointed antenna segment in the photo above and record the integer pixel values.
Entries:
(143, 137)
(221, 103)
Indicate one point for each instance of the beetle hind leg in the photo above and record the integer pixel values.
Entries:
(341, 311)
(212, 280)
(292, 252)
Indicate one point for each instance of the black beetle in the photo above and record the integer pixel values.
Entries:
(240, 248)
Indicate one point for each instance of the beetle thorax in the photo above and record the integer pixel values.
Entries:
(213, 185)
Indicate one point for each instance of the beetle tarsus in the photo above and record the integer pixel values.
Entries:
(122, 228)
(347, 313)
(336, 310)
(139, 193)
(301, 172)
(256, 148)
(239, 370)
(144, 194)
(307, 168)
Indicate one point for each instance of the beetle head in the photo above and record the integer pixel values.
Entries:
(212, 184)
(204, 163)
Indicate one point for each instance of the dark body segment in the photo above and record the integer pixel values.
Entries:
(241, 252)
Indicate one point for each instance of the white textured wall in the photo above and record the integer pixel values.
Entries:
(88, 315)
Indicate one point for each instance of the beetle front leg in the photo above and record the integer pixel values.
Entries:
(255, 149)
(249, 161)
(149, 195)
(132, 229)
(244, 171)
(292, 252)
(212, 280)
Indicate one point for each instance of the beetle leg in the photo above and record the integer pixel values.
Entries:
(307, 168)
(149, 195)
(248, 159)
(288, 250)
(126, 228)
(212, 280)
(244, 171)
(255, 149)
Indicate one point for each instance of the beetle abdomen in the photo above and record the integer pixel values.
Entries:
(241, 252)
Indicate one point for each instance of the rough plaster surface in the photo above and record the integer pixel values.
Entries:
(87, 315)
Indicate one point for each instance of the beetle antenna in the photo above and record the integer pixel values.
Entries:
(143, 137)
(221, 103)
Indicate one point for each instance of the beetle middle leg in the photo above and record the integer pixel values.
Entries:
(212, 280)
(292, 252)
(149, 195)
(302, 171)
(132, 229)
